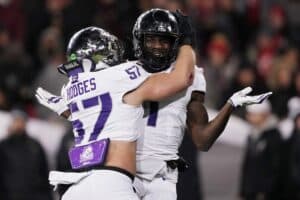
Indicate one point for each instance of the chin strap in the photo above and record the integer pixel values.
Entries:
(151, 68)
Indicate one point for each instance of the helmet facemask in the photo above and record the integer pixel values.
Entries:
(158, 55)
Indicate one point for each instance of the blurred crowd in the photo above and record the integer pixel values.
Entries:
(239, 43)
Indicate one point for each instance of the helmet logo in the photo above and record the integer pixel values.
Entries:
(162, 28)
(72, 57)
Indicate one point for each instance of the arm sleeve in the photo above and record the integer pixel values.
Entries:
(199, 83)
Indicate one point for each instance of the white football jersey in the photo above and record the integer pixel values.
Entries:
(96, 103)
(165, 124)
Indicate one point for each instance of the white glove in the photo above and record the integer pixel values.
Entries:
(241, 98)
(54, 103)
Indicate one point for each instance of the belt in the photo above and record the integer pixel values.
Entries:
(101, 167)
(180, 164)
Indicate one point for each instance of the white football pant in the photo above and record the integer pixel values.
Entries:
(102, 184)
(157, 189)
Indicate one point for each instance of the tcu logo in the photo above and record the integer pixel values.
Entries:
(87, 154)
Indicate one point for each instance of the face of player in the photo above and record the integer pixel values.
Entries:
(157, 45)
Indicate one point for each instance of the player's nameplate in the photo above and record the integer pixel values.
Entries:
(89, 155)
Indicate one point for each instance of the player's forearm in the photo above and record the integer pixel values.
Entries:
(184, 66)
(160, 86)
(180, 78)
(163, 85)
(204, 136)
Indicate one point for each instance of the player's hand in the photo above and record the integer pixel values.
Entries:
(186, 30)
(242, 98)
(51, 101)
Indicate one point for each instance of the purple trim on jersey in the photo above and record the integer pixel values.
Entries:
(89, 155)
(87, 103)
(106, 109)
(74, 78)
(75, 71)
(153, 113)
(73, 107)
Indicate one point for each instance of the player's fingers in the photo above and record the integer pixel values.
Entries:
(40, 90)
(245, 91)
(41, 96)
(45, 93)
(38, 96)
(268, 93)
(40, 99)
(262, 97)
(258, 98)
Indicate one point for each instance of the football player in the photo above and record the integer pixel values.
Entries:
(165, 121)
(106, 111)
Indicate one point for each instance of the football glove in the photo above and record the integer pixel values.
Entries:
(185, 28)
(54, 103)
(242, 98)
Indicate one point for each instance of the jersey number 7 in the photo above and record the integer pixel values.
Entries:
(153, 113)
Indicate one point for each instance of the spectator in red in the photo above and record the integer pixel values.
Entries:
(12, 17)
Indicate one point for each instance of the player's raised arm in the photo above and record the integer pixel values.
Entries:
(204, 132)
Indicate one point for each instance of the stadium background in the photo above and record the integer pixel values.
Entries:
(239, 43)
